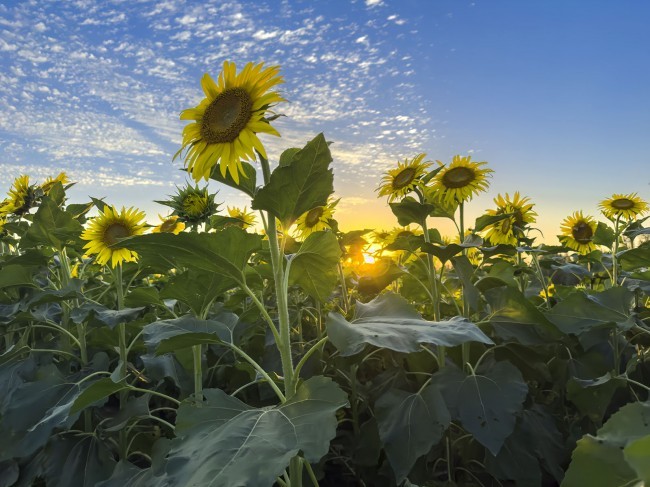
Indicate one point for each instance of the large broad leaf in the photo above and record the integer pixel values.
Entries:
(593, 397)
(465, 272)
(247, 180)
(305, 182)
(513, 317)
(226, 442)
(98, 391)
(389, 321)
(409, 425)
(535, 443)
(637, 456)
(30, 412)
(633, 259)
(581, 312)
(410, 211)
(313, 267)
(99, 315)
(225, 252)
(600, 461)
(197, 289)
(170, 335)
(487, 405)
(51, 226)
(16, 275)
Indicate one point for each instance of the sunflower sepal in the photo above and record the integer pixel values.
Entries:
(431, 174)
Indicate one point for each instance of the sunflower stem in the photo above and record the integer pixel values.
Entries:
(617, 236)
(197, 355)
(344, 290)
(281, 293)
(122, 364)
(465, 350)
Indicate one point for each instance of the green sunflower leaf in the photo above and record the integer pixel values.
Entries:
(303, 183)
(51, 226)
(314, 266)
(389, 321)
(409, 210)
(225, 252)
(633, 259)
(409, 425)
(227, 442)
(169, 335)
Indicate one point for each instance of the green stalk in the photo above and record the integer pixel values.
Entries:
(617, 236)
(465, 350)
(344, 290)
(197, 355)
(123, 360)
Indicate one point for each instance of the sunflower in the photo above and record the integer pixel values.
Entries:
(402, 232)
(50, 181)
(192, 205)
(105, 231)
(461, 180)
(246, 218)
(628, 206)
(315, 220)
(578, 232)
(521, 208)
(22, 195)
(400, 181)
(228, 119)
(502, 232)
(6, 207)
(170, 224)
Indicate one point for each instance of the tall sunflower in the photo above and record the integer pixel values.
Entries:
(578, 232)
(406, 177)
(50, 181)
(105, 231)
(628, 206)
(22, 195)
(510, 229)
(228, 119)
(502, 232)
(461, 180)
(315, 220)
(246, 218)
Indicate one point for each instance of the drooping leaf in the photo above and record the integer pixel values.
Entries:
(128, 475)
(465, 272)
(225, 252)
(582, 312)
(487, 405)
(513, 317)
(197, 289)
(304, 183)
(313, 267)
(487, 220)
(604, 235)
(169, 335)
(409, 425)
(96, 392)
(637, 456)
(16, 275)
(99, 315)
(89, 462)
(409, 210)
(389, 321)
(226, 442)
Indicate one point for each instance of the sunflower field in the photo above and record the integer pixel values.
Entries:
(263, 346)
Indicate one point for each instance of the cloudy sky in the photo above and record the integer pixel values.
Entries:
(554, 94)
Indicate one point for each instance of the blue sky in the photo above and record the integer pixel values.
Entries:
(554, 94)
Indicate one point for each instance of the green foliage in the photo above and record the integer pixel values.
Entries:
(314, 266)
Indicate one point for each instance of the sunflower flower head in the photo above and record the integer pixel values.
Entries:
(246, 218)
(192, 204)
(461, 180)
(578, 232)
(105, 231)
(226, 122)
(405, 178)
(509, 230)
(316, 220)
(627, 206)
(50, 181)
(6, 207)
(169, 224)
(22, 195)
